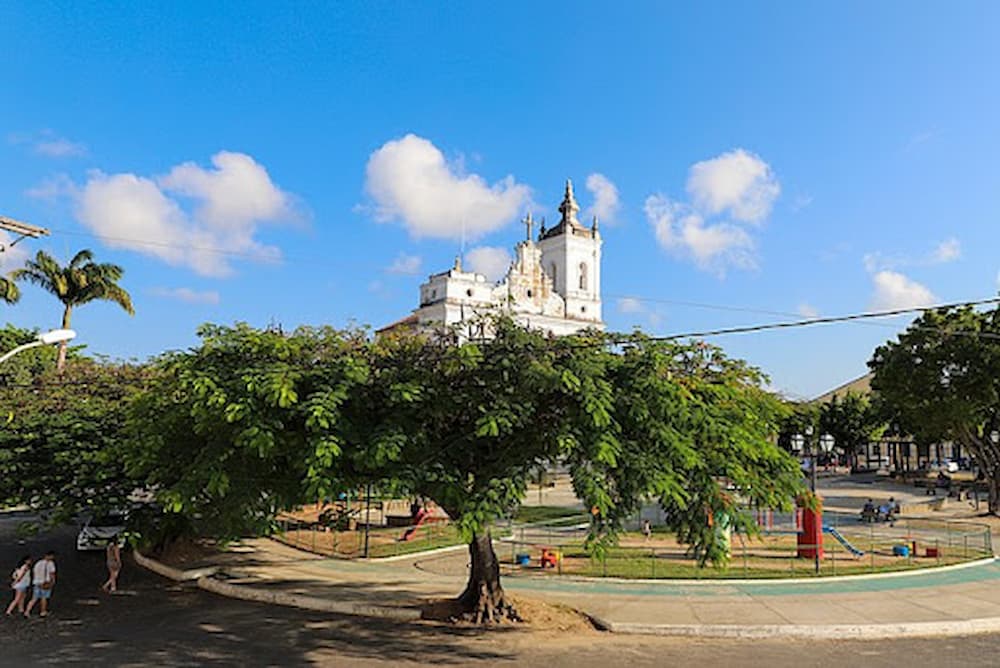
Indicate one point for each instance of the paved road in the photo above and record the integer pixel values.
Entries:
(156, 623)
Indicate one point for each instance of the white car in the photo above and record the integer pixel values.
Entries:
(99, 530)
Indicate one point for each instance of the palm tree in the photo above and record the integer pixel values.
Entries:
(79, 282)
(9, 292)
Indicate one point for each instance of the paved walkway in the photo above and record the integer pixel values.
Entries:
(956, 600)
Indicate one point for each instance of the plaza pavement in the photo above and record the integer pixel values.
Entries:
(947, 601)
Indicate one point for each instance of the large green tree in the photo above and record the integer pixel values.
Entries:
(681, 425)
(62, 435)
(79, 282)
(941, 380)
(252, 422)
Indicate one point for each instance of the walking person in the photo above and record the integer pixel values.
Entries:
(647, 530)
(113, 559)
(43, 577)
(20, 581)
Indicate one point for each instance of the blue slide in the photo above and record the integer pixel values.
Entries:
(843, 541)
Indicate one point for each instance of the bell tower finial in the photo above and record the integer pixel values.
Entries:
(569, 207)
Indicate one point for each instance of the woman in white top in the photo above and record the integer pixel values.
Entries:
(20, 581)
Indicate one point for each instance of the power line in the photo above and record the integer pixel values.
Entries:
(831, 319)
(861, 318)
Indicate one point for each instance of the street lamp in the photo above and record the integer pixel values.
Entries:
(48, 338)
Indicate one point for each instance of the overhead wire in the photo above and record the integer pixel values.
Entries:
(864, 318)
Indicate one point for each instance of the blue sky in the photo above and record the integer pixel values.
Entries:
(256, 161)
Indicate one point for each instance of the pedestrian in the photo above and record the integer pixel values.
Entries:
(43, 577)
(113, 559)
(20, 580)
(647, 529)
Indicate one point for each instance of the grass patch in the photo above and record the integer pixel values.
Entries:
(533, 514)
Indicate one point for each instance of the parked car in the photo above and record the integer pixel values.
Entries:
(98, 530)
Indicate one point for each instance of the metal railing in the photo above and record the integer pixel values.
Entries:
(382, 541)
(866, 548)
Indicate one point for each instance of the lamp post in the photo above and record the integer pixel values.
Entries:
(54, 336)
(995, 439)
(804, 443)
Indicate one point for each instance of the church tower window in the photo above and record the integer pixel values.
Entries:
(583, 275)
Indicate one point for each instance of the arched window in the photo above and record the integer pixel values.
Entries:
(583, 275)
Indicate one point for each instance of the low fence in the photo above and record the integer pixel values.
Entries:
(852, 548)
(381, 541)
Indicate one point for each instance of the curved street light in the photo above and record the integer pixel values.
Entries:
(47, 338)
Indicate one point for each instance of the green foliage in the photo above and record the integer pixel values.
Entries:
(241, 427)
(62, 436)
(26, 366)
(252, 422)
(941, 381)
(851, 420)
(692, 429)
(9, 292)
(798, 419)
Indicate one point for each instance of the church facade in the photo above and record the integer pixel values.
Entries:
(553, 284)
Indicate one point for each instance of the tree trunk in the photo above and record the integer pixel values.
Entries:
(61, 359)
(993, 484)
(483, 600)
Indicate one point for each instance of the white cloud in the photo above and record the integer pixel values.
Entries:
(490, 261)
(408, 265)
(60, 148)
(187, 295)
(629, 305)
(738, 183)
(947, 251)
(896, 291)
(727, 193)
(54, 187)
(47, 143)
(684, 232)
(606, 200)
(192, 217)
(808, 310)
(409, 180)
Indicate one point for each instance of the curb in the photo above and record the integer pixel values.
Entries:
(203, 577)
(416, 555)
(170, 572)
(810, 632)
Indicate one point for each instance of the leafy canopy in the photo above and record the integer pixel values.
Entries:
(252, 421)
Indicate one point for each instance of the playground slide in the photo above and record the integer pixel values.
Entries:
(843, 541)
(412, 531)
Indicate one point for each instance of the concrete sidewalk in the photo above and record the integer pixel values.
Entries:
(947, 601)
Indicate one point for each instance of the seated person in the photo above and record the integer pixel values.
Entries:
(868, 512)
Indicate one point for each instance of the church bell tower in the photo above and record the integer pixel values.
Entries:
(571, 256)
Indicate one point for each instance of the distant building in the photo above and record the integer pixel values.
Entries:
(553, 284)
(898, 452)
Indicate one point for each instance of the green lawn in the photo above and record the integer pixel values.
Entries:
(533, 514)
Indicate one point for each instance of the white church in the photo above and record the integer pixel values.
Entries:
(553, 284)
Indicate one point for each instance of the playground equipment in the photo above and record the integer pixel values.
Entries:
(550, 558)
(843, 541)
(419, 519)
